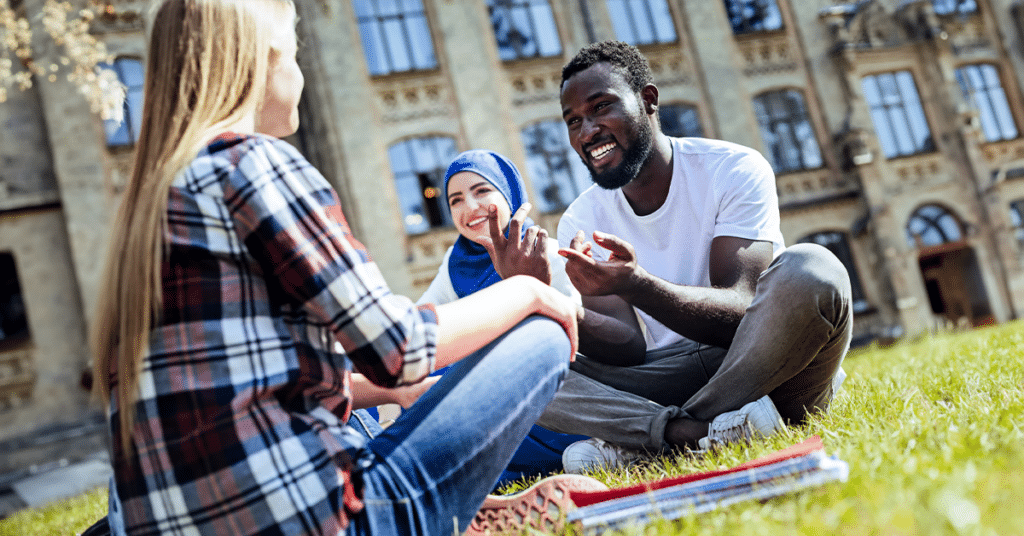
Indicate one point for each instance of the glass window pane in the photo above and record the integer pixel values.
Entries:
(395, 35)
(622, 23)
(680, 120)
(419, 165)
(556, 172)
(789, 139)
(896, 111)
(753, 15)
(421, 43)
(546, 33)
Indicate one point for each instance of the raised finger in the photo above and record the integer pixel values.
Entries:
(497, 238)
(529, 240)
(577, 241)
(542, 238)
(515, 224)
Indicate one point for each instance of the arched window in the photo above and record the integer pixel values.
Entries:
(932, 225)
(524, 29)
(837, 243)
(396, 35)
(126, 131)
(1017, 218)
(642, 22)
(748, 16)
(954, 7)
(789, 140)
(897, 114)
(556, 171)
(982, 88)
(419, 165)
(13, 321)
(680, 120)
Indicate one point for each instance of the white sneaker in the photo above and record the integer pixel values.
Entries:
(758, 418)
(594, 453)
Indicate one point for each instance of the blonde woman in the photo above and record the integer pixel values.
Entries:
(236, 303)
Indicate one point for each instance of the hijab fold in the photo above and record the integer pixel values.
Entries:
(469, 265)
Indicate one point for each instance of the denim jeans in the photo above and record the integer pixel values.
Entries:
(429, 472)
(790, 345)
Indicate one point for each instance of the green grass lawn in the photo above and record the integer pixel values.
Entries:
(931, 431)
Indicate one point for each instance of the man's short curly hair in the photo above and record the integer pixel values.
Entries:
(622, 56)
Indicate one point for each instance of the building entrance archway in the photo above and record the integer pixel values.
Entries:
(949, 267)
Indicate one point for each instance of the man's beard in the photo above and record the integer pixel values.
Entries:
(632, 161)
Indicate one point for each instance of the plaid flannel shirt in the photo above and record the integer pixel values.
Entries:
(268, 301)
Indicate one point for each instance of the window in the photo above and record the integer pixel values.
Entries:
(126, 131)
(680, 121)
(1017, 218)
(395, 34)
(555, 169)
(748, 16)
(524, 29)
(642, 22)
(419, 166)
(954, 7)
(932, 225)
(837, 243)
(981, 87)
(786, 131)
(897, 114)
(13, 322)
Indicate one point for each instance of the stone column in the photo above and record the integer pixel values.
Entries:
(75, 135)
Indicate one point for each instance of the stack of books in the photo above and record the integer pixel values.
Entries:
(792, 469)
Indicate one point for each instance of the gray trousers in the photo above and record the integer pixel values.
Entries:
(789, 345)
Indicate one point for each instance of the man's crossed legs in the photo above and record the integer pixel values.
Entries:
(789, 346)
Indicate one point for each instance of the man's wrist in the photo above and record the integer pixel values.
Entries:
(636, 282)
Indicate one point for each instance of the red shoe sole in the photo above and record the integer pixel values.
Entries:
(542, 506)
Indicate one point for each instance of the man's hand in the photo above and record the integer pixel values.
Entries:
(600, 278)
(519, 254)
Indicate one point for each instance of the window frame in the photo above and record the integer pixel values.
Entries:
(970, 94)
(630, 8)
(577, 176)
(12, 295)
(955, 8)
(934, 221)
(746, 28)
(528, 7)
(884, 110)
(433, 172)
(131, 121)
(1017, 221)
(380, 43)
(684, 107)
(795, 119)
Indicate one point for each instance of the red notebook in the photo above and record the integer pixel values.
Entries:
(806, 446)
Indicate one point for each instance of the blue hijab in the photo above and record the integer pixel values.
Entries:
(470, 266)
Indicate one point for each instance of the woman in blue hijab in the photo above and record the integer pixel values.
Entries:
(475, 181)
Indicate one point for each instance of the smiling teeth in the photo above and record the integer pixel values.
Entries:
(476, 222)
(601, 151)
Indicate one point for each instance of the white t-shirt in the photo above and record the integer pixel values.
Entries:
(441, 289)
(718, 189)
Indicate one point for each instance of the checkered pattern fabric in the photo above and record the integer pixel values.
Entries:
(268, 303)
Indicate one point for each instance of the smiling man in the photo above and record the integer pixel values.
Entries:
(743, 334)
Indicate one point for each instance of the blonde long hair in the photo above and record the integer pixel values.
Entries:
(206, 69)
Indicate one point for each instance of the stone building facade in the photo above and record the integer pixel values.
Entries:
(893, 127)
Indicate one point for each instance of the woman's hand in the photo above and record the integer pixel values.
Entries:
(407, 395)
(519, 254)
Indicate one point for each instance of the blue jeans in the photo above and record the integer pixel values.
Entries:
(429, 472)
